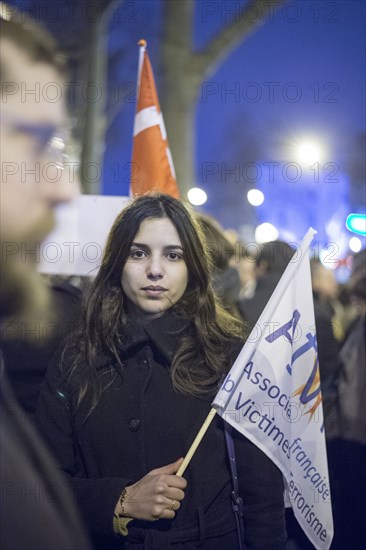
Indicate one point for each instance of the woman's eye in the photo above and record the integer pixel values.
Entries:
(174, 256)
(137, 254)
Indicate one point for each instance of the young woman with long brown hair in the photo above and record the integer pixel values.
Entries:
(126, 398)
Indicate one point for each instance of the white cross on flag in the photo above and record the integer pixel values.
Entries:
(152, 163)
(272, 395)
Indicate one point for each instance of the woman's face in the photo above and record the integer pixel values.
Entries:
(155, 275)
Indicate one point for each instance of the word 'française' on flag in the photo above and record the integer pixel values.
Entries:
(152, 163)
(272, 396)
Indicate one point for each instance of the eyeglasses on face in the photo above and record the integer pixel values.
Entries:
(50, 139)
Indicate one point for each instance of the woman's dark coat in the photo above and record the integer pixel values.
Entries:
(141, 423)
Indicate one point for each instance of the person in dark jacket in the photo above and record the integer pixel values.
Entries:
(27, 355)
(271, 261)
(127, 396)
(225, 278)
(37, 508)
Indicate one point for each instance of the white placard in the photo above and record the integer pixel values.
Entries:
(76, 244)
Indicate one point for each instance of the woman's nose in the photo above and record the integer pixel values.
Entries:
(60, 184)
(155, 268)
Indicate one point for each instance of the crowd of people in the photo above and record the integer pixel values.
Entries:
(103, 390)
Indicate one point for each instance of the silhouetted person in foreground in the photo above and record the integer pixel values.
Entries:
(37, 509)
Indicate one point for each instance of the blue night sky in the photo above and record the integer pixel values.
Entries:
(324, 59)
(300, 75)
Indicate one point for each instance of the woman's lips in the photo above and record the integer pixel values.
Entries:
(154, 291)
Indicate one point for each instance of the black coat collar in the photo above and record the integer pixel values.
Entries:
(164, 332)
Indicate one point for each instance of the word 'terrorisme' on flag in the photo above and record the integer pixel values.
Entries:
(272, 396)
(152, 163)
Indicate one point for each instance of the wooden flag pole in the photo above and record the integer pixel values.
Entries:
(196, 442)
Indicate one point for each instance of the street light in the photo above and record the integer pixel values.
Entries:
(255, 197)
(308, 152)
(266, 232)
(355, 244)
(197, 196)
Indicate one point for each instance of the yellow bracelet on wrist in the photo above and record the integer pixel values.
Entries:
(122, 499)
(120, 521)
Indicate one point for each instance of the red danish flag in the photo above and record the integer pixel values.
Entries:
(153, 168)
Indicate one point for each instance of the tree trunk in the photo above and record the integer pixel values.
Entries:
(95, 107)
(179, 93)
(184, 71)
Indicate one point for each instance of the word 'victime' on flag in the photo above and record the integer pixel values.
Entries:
(272, 395)
(152, 162)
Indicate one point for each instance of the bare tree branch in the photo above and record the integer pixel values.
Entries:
(244, 23)
(184, 70)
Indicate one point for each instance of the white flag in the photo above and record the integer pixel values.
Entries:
(272, 395)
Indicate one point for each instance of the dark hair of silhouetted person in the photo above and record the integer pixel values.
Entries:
(25, 33)
(275, 255)
(220, 249)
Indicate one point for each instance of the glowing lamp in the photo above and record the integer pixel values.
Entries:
(356, 223)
